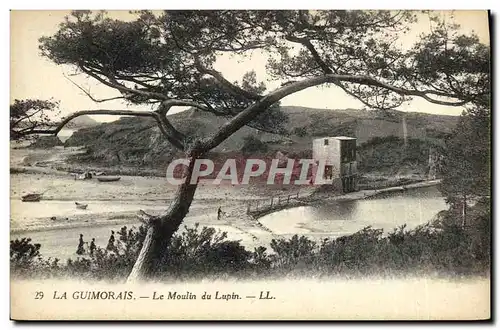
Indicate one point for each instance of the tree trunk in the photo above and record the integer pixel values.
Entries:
(161, 229)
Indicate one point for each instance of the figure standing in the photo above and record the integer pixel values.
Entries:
(111, 242)
(92, 247)
(80, 250)
(219, 213)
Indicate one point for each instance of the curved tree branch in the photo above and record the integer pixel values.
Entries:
(258, 107)
(171, 136)
(326, 69)
(167, 105)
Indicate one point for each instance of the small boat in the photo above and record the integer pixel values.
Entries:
(108, 178)
(81, 206)
(32, 197)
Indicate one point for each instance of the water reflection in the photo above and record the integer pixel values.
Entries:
(335, 211)
(413, 208)
(65, 134)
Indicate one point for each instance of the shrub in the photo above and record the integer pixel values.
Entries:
(390, 154)
(197, 252)
(300, 131)
(23, 253)
(26, 260)
(295, 253)
(357, 252)
(440, 247)
(253, 145)
(46, 142)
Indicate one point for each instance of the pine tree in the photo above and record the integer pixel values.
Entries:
(466, 164)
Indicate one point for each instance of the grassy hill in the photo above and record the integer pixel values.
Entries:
(137, 142)
(44, 142)
(82, 122)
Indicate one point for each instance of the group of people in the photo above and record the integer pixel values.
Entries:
(111, 242)
(81, 246)
(92, 247)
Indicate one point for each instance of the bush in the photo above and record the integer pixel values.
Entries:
(194, 253)
(23, 254)
(46, 142)
(26, 260)
(295, 253)
(197, 253)
(390, 155)
(357, 252)
(300, 131)
(252, 145)
(441, 247)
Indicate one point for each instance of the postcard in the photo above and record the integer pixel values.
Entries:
(250, 165)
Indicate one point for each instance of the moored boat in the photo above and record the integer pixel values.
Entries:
(31, 198)
(108, 178)
(81, 206)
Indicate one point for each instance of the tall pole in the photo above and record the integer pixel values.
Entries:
(464, 211)
(405, 131)
(432, 165)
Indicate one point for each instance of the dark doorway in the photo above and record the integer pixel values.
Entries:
(348, 184)
(328, 172)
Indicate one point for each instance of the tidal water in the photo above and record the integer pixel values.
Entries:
(413, 208)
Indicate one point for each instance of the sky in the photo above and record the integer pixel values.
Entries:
(33, 76)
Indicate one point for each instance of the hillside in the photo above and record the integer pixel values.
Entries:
(132, 141)
(44, 142)
(81, 122)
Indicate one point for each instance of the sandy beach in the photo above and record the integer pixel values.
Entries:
(56, 223)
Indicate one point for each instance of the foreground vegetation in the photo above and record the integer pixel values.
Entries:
(438, 248)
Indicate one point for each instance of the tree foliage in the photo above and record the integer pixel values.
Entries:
(170, 56)
(467, 162)
(143, 61)
(28, 115)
